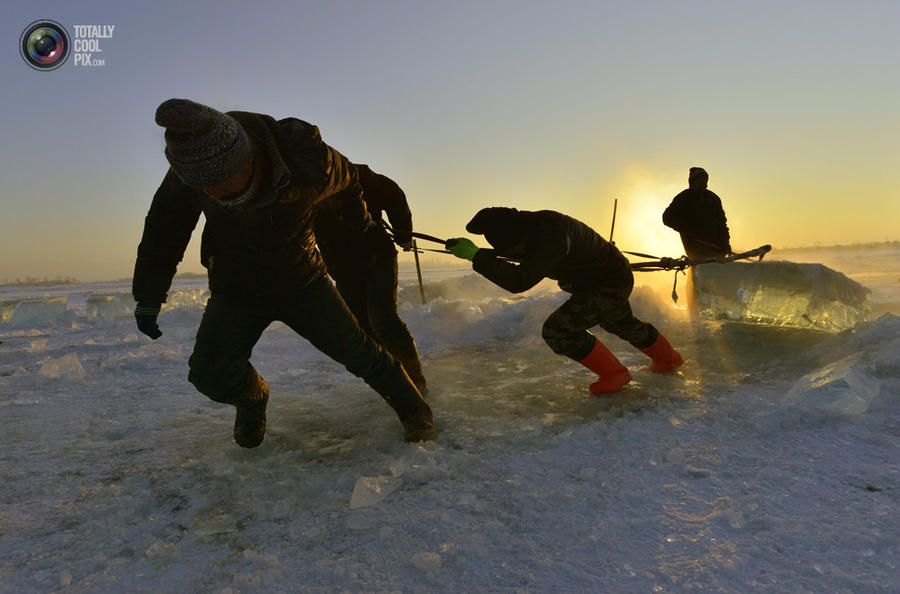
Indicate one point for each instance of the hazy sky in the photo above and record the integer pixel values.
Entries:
(792, 107)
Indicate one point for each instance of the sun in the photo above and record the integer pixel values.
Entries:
(639, 226)
(642, 195)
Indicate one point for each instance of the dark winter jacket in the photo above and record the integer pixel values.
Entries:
(697, 214)
(261, 245)
(560, 248)
(348, 251)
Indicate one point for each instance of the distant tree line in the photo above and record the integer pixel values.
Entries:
(33, 280)
(851, 246)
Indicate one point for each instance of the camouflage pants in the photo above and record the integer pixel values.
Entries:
(566, 330)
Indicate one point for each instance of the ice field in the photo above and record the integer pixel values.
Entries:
(769, 463)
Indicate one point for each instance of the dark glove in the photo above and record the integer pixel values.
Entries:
(378, 241)
(403, 239)
(145, 315)
(360, 224)
(461, 248)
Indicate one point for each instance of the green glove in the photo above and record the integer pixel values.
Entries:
(461, 248)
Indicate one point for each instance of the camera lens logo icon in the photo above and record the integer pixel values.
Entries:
(44, 45)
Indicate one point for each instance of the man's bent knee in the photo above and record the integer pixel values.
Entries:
(568, 344)
(228, 386)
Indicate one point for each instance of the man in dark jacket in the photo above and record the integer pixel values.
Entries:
(257, 181)
(531, 246)
(363, 265)
(697, 214)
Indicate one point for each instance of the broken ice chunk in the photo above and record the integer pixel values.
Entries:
(844, 387)
(67, 367)
(369, 490)
(427, 561)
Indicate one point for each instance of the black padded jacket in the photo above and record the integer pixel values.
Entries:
(260, 246)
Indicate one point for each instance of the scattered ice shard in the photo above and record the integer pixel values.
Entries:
(780, 294)
(426, 561)
(369, 490)
(844, 387)
(66, 367)
(37, 311)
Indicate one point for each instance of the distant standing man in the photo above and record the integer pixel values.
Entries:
(697, 214)
(531, 246)
(257, 181)
(363, 265)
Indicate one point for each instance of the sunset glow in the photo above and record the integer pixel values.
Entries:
(564, 106)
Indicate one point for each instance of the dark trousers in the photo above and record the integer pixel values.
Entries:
(371, 295)
(220, 364)
(566, 330)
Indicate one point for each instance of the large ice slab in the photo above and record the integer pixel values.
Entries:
(34, 311)
(121, 305)
(781, 294)
(110, 307)
(6, 309)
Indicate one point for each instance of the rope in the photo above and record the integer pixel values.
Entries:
(677, 264)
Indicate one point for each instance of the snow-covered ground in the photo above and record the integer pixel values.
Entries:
(768, 463)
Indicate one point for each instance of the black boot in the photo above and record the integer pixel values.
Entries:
(250, 420)
(415, 415)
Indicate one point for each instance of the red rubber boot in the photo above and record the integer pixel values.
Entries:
(665, 358)
(612, 374)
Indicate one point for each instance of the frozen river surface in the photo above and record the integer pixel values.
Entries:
(768, 463)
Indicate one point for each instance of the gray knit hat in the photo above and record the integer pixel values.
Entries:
(204, 146)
